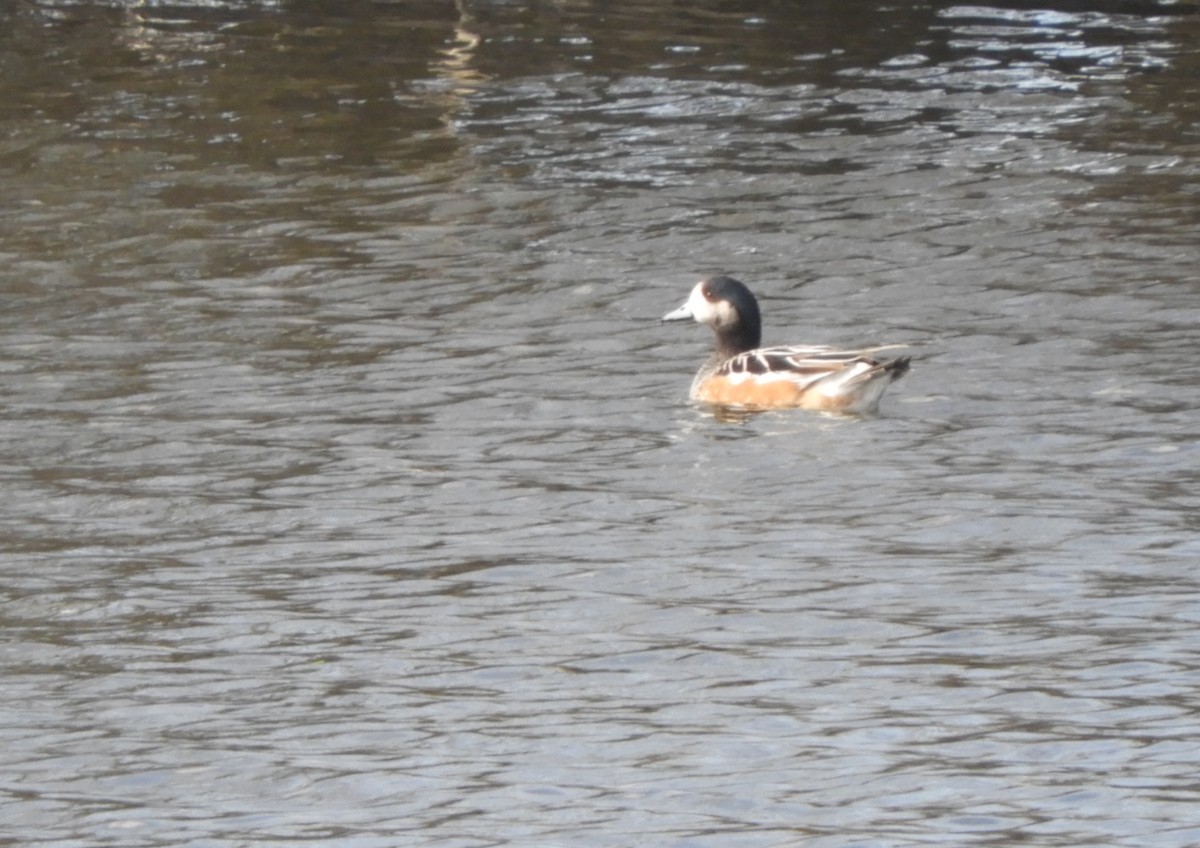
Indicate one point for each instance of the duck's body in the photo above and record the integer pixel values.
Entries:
(742, 374)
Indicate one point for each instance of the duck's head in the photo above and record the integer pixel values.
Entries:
(727, 306)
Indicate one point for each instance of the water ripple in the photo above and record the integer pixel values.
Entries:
(354, 496)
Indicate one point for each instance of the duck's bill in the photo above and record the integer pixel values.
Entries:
(680, 314)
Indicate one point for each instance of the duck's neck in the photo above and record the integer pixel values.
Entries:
(735, 340)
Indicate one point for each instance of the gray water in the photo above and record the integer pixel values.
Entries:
(352, 494)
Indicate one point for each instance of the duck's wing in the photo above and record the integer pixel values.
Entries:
(799, 361)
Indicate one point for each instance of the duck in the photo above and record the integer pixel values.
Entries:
(741, 374)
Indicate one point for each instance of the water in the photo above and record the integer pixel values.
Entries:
(352, 493)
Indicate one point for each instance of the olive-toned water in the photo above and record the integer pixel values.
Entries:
(351, 492)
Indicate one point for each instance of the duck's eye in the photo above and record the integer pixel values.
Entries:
(708, 295)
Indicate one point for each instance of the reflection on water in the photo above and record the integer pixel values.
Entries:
(353, 495)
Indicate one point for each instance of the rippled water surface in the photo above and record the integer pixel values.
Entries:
(352, 495)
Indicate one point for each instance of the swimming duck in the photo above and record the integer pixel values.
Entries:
(743, 375)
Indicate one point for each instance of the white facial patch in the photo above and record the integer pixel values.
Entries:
(726, 315)
(706, 312)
